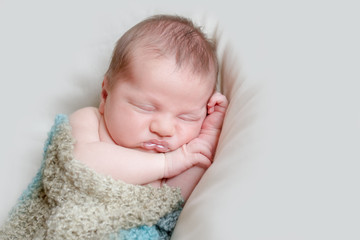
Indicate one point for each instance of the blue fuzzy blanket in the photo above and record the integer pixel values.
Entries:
(67, 200)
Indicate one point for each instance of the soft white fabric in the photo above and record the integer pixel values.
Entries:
(288, 161)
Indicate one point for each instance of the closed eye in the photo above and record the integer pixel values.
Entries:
(189, 118)
(144, 107)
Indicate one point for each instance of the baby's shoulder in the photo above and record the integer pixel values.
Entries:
(85, 124)
(86, 114)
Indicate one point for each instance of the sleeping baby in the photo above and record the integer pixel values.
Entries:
(157, 127)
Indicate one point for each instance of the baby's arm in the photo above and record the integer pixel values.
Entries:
(129, 165)
(205, 143)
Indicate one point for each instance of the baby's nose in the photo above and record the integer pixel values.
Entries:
(163, 126)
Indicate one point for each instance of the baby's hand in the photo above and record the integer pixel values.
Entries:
(200, 151)
(211, 128)
(217, 106)
(186, 157)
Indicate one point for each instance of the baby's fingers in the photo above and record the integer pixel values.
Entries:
(217, 102)
(200, 147)
(202, 160)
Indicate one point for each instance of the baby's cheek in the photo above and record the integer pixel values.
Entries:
(191, 132)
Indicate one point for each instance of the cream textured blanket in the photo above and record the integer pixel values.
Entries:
(67, 200)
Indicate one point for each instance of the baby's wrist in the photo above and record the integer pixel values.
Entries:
(165, 164)
(174, 162)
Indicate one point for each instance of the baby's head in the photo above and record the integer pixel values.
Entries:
(161, 76)
(165, 36)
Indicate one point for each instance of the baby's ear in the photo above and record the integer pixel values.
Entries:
(104, 94)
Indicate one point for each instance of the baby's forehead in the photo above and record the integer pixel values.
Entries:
(197, 63)
(146, 53)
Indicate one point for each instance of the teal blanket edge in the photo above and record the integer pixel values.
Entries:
(162, 230)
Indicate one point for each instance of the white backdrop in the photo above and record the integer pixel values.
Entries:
(297, 176)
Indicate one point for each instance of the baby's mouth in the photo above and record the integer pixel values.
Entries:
(157, 145)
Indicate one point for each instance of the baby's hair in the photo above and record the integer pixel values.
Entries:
(166, 35)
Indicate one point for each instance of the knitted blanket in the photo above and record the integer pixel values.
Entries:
(67, 200)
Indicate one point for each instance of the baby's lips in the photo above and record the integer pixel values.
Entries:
(157, 146)
(161, 148)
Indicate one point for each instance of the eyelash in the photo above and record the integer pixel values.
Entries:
(145, 108)
(188, 119)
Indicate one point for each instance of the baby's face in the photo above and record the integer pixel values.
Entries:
(159, 107)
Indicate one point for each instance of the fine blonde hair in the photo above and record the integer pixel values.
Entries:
(166, 35)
